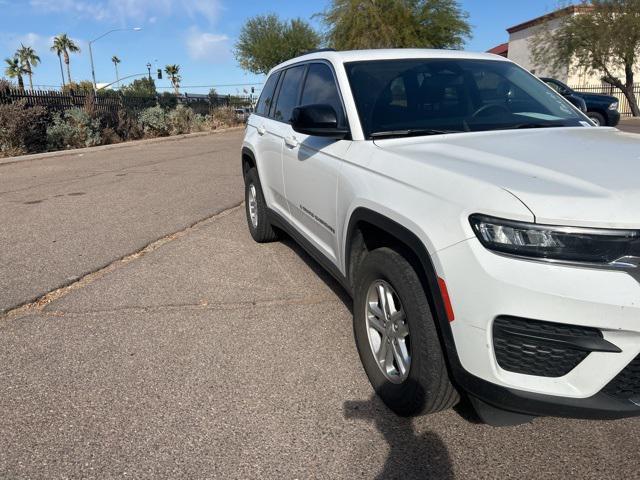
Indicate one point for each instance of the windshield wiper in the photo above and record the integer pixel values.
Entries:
(411, 132)
(534, 125)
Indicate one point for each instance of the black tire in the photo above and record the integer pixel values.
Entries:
(598, 118)
(427, 388)
(262, 231)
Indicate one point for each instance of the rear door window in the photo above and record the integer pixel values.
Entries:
(289, 93)
(320, 87)
(266, 97)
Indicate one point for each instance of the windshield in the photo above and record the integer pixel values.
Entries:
(436, 96)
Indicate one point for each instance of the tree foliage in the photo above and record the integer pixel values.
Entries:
(603, 37)
(64, 45)
(360, 24)
(15, 69)
(29, 59)
(140, 87)
(173, 72)
(265, 41)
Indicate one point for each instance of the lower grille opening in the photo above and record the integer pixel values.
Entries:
(544, 349)
(626, 385)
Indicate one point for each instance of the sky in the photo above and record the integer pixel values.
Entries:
(196, 34)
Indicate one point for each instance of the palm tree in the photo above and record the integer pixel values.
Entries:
(174, 75)
(29, 59)
(116, 61)
(14, 69)
(59, 53)
(63, 45)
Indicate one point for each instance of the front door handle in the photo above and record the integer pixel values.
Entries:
(291, 142)
(261, 130)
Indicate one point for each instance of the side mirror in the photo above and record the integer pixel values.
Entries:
(318, 120)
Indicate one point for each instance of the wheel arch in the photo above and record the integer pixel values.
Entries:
(248, 160)
(365, 221)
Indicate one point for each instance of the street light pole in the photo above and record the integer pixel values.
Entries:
(93, 71)
(149, 70)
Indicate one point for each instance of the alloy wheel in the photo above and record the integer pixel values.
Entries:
(388, 331)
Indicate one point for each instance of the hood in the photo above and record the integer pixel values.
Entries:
(576, 176)
(596, 97)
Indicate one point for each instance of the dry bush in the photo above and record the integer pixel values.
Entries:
(223, 117)
(22, 129)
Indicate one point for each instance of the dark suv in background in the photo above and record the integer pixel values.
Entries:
(601, 109)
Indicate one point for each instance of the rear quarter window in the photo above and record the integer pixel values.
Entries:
(266, 97)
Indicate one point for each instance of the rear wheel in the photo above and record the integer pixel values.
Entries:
(597, 118)
(256, 209)
(396, 336)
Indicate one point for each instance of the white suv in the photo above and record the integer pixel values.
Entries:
(488, 235)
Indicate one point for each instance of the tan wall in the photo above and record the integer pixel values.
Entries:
(520, 52)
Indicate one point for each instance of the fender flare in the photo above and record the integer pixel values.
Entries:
(247, 152)
(425, 269)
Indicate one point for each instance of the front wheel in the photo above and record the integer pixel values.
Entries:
(396, 336)
(597, 118)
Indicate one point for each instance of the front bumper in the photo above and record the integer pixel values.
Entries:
(484, 286)
(613, 118)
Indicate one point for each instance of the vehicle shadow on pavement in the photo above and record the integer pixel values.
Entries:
(411, 456)
(325, 276)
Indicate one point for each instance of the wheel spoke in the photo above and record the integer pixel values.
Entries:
(382, 298)
(382, 352)
(397, 316)
(388, 359)
(400, 361)
(403, 330)
(377, 324)
(374, 310)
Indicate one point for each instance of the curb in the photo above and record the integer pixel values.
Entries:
(101, 148)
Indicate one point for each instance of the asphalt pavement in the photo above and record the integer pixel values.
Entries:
(209, 356)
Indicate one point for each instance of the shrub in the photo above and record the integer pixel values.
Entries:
(223, 117)
(181, 120)
(127, 126)
(168, 101)
(5, 84)
(22, 129)
(154, 121)
(199, 123)
(74, 129)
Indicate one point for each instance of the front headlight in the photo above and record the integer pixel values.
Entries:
(614, 106)
(570, 244)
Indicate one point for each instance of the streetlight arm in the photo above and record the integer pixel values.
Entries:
(123, 78)
(114, 30)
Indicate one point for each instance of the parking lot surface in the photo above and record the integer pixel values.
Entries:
(210, 356)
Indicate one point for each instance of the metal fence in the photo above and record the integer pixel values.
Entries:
(606, 89)
(111, 102)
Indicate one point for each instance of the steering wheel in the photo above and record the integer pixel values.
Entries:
(488, 108)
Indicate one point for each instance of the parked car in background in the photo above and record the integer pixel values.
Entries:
(242, 115)
(601, 109)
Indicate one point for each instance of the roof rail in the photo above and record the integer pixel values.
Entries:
(317, 50)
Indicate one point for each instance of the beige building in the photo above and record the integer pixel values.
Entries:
(518, 49)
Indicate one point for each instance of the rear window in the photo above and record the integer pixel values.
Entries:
(289, 93)
(266, 97)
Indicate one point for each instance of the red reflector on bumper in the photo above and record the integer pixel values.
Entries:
(448, 308)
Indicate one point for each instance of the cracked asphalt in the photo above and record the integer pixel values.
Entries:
(210, 356)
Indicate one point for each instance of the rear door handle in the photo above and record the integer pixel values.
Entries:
(291, 142)
(261, 130)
